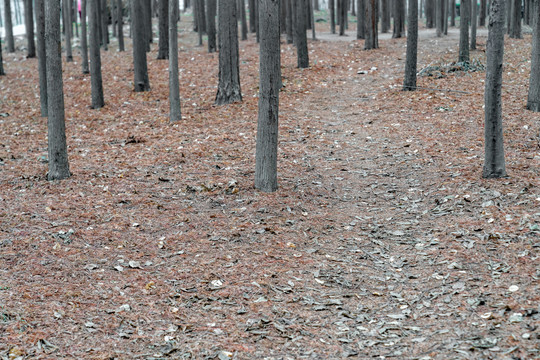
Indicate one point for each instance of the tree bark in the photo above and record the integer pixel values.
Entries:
(482, 17)
(494, 163)
(174, 86)
(474, 21)
(56, 129)
(84, 39)
(163, 19)
(385, 16)
(372, 38)
(29, 25)
(270, 82)
(515, 21)
(104, 25)
(120, 24)
(140, 41)
(39, 9)
(452, 13)
(409, 81)
(360, 20)
(533, 100)
(342, 16)
(8, 26)
(95, 58)
(146, 7)
(300, 36)
(229, 74)
(211, 25)
(430, 13)
(242, 7)
(67, 36)
(200, 21)
(398, 19)
(464, 31)
(2, 72)
(312, 18)
(289, 22)
(252, 17)
(332, 8)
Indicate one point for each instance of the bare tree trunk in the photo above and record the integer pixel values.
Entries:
(147, 18)
(2, 72)
(84, 39)
(174, 86)
(533, 100)
(140, 41)
(252, 16)
(372, 38)
(270, 82)
(474, 20)
(464, 31)
(229, 89)
(483, 8)
(398, 18)
(300, 36)
(104, 25)
(42, 55)
(56, 129)
(163, 19)
(289, 22)
(332, 8)
(360, 20)
(409, 81)
(385, 16)
(199, 14)
(312, 17)
(242, 6)
(515, 20)
(452, 13)
(445, 17)
(120, 24)
(494, 163)
(95, 58)
(430, 13)
(9, 26)
(67, 35)
(342, 14)
(211, 24)
(29, 24)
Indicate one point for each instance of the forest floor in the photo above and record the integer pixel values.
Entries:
(383, 240)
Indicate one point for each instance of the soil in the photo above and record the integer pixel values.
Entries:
(383, 241)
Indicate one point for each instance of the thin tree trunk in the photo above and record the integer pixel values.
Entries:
(464, 31)
(289, 22)
(229, 90)
(385, 16)
(29, 24)
(300, 36)
(104, 25)
(174, 86)
(430, 13)
(140, 41)
(120, 24)
(331, 7)
(372, 38)
(533, 100)
(200, 27)
(453, 13)
(95, 58)
(56, 129)
(8, 27)
(68, 29)
(360, 20)
(445, 17)
(483, 8)
(312, 17)
(409, 81)
(515, 21)
(398, 18)
(163, 19)
(84, 39)
(242, 6)
(270, 82)
(474, 21)
(211, 24)
(147, 18)
(494, 163)
(2, 72)
(41, 54)
(252, 16)
(342, 14)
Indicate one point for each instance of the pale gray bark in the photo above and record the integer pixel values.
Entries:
(140, 41)
(120, 24)
(163, 19)
(361, 20)
(8, 26)
(372, 37)
(300, 35)
(464, 31)
(174, 86)
(66, 5)
(515, 20)
(533, 100)
(39, 9)
(494, 163)
(29, 25)
(95, 58)
(269, 85)
(229, 74)
(84, 39)
(409, 81)
(211, 25)
(56, 129)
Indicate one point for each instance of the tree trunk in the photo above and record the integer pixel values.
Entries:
(29, 25)
(300, 36)
(84, 39)
(464, 31)
(430, 13)
(494, 164)
(163, 19)
(483, 8)
(67, 28)
(515, 21)
(174, 86)
(316, 5)
(229, 74)
(104, 25)
(95, 58)
(452, 13)
(257, 33)
(341, 16)
(445, 17)
(140, 41)
(331, 7)
(385, 16)
(533, 100)
(199, 13)
(211, 25)
(252, 16)
(360, 20)
(39, 9)
(312, 17)
(270, 82)
(289, 21)
(474, 20)
(398, 18)
(147, 18)
(372, 38)
(56, 129)
(242, 6)
(8, 26)
(120, 24)
(409, 81)
(2, 72)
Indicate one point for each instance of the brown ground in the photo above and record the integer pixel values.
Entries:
(383, 240)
